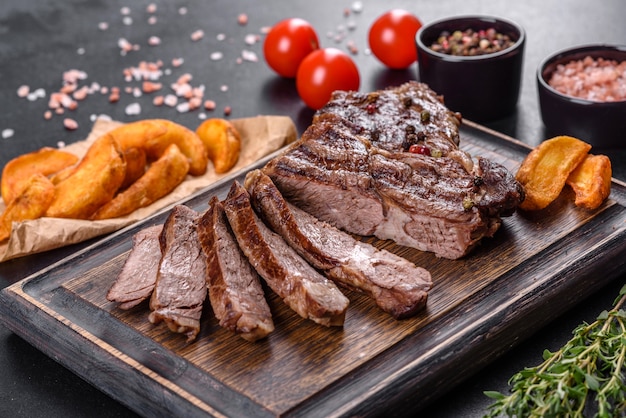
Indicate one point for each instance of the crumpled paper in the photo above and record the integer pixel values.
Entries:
(260, 136)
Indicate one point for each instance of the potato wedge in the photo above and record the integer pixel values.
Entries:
(591, 181)
(545, 169)
(222, 142)
(33, 201)
(18, 171)
(155, 135)
(160, 179)
(96, 180)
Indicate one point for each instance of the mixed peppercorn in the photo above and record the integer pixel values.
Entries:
(470, 42)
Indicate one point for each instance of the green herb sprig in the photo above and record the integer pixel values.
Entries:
(587, 374)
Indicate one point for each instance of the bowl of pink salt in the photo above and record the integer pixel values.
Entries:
(582, 93)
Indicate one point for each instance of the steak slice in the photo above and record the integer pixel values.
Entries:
(301, 287)
(180, 287)
(398, 286)
(235, 290)
(136, 281)
(357, 175)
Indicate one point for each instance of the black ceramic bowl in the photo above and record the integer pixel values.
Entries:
(481, 87)
(602, 124)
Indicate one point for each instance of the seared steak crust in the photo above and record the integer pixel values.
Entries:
(351, 168)
(136, 281)
(300, 286)
(396, 285)
(180, 288)
(235, 290)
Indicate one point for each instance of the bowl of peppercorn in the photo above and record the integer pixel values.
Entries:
(582, 93)
(474, 62)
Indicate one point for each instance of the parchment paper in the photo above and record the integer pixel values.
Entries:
(260, 136)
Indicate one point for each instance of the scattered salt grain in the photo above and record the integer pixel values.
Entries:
(183, 107)
(152, 8)
(220, 37)
(103, 26)
(242, 19)
(152, 20)
(170, 100)
(249, 56)
(209, 105)
(7, 133)
(60, 144)
(357, 7)
(224, 87)
(154, 41)
(125, 11)
(177, 62)
(251, 39)
(39, 93)
(80, 51)
(227, 110)
(182, 11)
(197, 35)
(133, 109)
(127, 20)
(23, 91)
(70, 124)
(216, 56)
(47, 115)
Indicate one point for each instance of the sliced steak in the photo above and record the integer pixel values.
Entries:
(397, 286)
(235, 290)
(301, 287)
(180, 288)
(357, 175)
(136, 281)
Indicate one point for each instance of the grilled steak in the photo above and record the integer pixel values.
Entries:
(397, 285)
(136, 280)
(180, 287)
(352, 168)
(235, 290)
(300, 286)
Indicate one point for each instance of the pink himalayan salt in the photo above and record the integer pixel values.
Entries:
(598, 80)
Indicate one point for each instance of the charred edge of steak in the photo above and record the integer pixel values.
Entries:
(136, 280)
(397, 286)
(180, 289)
(301, 287)
(235, 290)
(397, 117)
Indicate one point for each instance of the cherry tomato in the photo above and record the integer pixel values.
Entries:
(324, 71)
(287, 43)
(392, 38)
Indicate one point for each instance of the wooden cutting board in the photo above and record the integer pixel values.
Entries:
(536, 267)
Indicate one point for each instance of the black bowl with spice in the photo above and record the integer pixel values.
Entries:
(582, 93)
(475, 63)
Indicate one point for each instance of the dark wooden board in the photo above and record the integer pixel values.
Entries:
(536, 267)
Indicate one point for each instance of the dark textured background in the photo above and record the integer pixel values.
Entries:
(39, 40)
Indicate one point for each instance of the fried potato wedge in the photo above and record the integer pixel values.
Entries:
(222, 142)
(160, 179)
(36, 196)
(96, 180)
(591, 181)
(545, 169)
(18, 171)
(155, 135)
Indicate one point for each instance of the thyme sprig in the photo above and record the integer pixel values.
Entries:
(586, 376)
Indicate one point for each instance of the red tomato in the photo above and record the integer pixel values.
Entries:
(286, 45)
(324, 71)
(392, 38)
